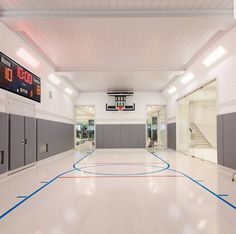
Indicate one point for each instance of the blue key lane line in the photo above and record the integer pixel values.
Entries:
(198, 183)
(39, 189)
(21, 196)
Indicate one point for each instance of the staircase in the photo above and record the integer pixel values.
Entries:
(198, 140)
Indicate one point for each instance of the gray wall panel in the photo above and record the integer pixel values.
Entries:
(107, 136)
(142, 136)
(4, 128)
(133, 132)
(99, 136)
(120, 136)
(58, 136)
(30, 135)
(116, 142)
(229, 134)
(124, 136)
(171, 136)
(17, 152)
(220, 140)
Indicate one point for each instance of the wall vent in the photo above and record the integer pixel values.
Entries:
(50, 94)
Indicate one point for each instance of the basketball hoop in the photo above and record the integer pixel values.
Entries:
(120, 108)
(120, 101)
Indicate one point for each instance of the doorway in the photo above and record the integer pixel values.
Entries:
(85, 116)
(196, 123)
(22, 136)
(156, 127)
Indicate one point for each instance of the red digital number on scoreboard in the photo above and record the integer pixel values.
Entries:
(8, 74)
(24, 75)
(38, 90)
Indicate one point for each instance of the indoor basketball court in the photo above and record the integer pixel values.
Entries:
(117, 117)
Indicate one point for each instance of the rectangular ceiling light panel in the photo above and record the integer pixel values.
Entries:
(187, 78)
(69, 91)
(26, 57)
(172, 90)
(54, 79)
(214, 56)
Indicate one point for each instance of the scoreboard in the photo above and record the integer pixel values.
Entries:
(15, 78)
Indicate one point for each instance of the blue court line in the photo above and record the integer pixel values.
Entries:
(119, 174)
(201, 185)
(39, 189)
(21, 196)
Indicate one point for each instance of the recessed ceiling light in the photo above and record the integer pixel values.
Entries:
(187, 78)
(54, 79)
(172, 90)
(28, 58)
(214, 56)
(68, 91)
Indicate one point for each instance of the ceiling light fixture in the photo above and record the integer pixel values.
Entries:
(172, 90)
(214, 56)
(54, 79)
(28, 58)
(68, 91)
(187, 78)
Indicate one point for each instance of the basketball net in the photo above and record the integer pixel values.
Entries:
(120, 108)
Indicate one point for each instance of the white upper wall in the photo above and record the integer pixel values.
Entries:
(141, 100)
(59, 108)
(224, 72)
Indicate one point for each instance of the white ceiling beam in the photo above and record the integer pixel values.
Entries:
(116, 13)
(121, 68)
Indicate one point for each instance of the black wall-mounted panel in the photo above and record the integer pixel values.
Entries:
(3, 142)
(171, 136)
(17, 79)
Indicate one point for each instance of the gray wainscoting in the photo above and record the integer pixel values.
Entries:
(226, 140)
(25, 140)
(120, 136)
(3, 142)
(53, 138)
(171, 136)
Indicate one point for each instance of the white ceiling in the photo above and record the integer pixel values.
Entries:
(103, 50)
(16, 5)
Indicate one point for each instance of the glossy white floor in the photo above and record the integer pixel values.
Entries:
(120, 191)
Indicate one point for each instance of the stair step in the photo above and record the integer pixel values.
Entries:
(197, 137)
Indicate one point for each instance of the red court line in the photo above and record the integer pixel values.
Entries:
(88, 177)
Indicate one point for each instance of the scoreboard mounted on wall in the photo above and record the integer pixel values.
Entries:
(16, 79)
